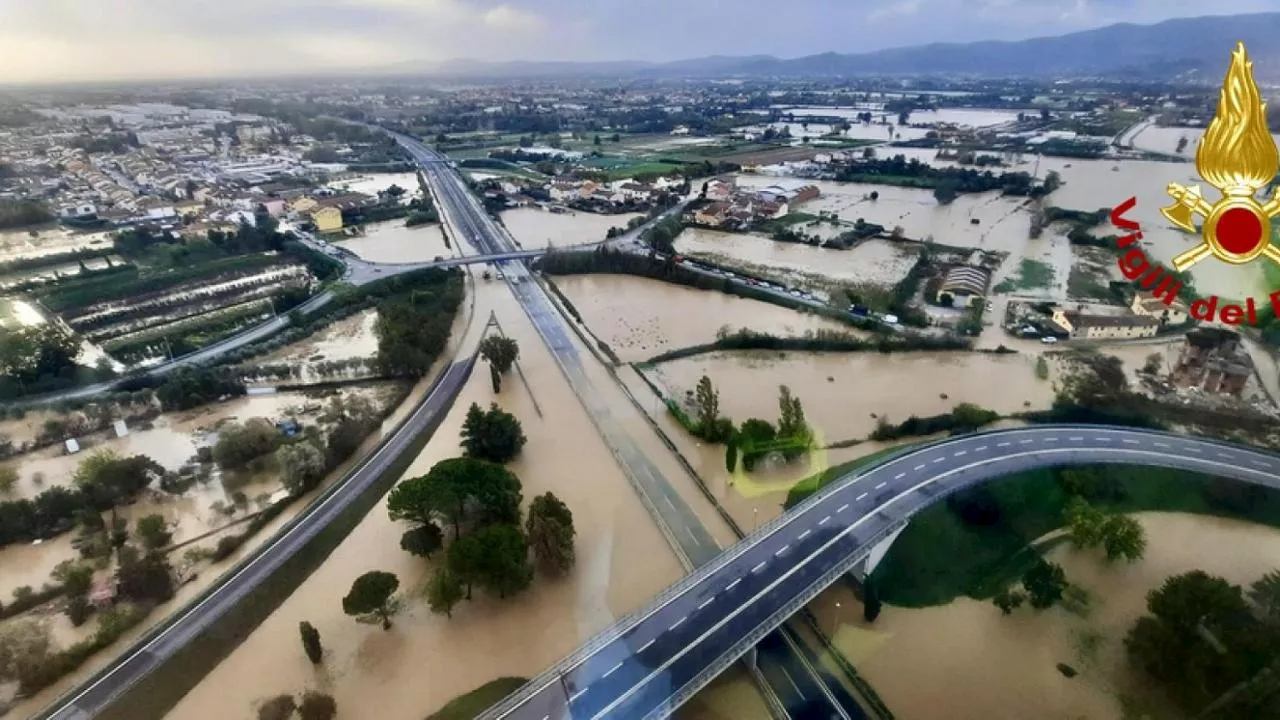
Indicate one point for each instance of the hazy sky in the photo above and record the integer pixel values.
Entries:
(111, 39)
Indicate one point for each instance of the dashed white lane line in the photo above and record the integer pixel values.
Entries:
(667, 500)
(843, 507)
(727, 588)
(1003, 444)
(781, 550)
(880, 485)
(577, 695)
(859, 498)
(1259, 463)
(1226, 456)
(756, 569)
(919, 467)
(899, 476)
(824, 520)
(1129, 441)
(1077, 438)
(646, 645)
(1197, 451)
(689, 531)
(1051, 439)
(610, 671)
(804, 534)
(1101, 439)
(980, 448)
(680, 622)
(1027, 441)
(1161, 445)
(958, 453)
(938, 460)
(706, 602)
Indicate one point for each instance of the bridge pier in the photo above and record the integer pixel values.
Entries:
(868, 564)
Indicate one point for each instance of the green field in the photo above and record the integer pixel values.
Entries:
(470, 705)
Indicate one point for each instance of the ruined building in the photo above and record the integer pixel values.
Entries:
(1213, 360)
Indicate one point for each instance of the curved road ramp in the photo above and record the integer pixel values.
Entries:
(653, 660)
(150, 677)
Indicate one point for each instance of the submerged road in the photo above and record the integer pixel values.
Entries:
(185, 625)
(800, 683)
(650, 662)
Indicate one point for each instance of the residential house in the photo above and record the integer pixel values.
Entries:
(587, 189)
(275, 206)
(1145, 303)
(563, 190)
(1213, 360)
(327, 219)
(711, 214)
(1105, 327)
(964, 285)
(720, 189)
(634, 191)
(83, 210)
(303, 205)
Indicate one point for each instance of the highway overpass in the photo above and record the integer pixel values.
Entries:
(652, 661)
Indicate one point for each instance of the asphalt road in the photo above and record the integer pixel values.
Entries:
(800, 683)
(165, 640)
(652, 661)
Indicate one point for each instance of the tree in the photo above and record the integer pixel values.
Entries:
(550, 530)
(791, 422)
(946, 192)
(501, 352)
(422, 540)
(1123, 537)
(456, 490)
(495, 557)
(238, 444)
(8, 479)
(280, 707)
(1045, 583)
(493, 435)
(302, 466)
(153, 532)
(495, 379)
(708, 405)
(317, 706)
(1008, 600)
(444, 591)
(1265, 594)
(1084, 523)
(143, 577)
(91, 469)
(311, 642)
(370, 596)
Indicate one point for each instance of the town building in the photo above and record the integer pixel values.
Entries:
(327, 219)
(964, 285)
(1105, 327)
(1149, 305)
(1213, 360)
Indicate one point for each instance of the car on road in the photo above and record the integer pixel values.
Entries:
(1049, 340)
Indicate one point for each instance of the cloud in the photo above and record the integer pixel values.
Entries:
(506, 16)
(902, 8)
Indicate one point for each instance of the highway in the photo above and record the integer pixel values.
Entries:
(656, 658)
(162, 642)
(799, 682)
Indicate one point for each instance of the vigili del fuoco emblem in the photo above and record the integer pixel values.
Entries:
(1238, 157)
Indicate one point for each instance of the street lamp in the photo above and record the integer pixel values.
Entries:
(755, 519)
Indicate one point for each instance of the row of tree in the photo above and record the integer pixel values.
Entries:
(755, 438)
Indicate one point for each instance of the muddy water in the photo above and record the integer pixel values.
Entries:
(841, 391)
(640, 318)
(1165, 140)
(875, 261)
(352, 337)
(391, 242)
(622, 560)
(966, 660)
(536, 228)
(731, 696)
(373, 184)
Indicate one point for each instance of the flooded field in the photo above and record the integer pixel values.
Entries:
(918, 125)
(50, 240)
(842, 391)
(622, 561)
(379, 182)
(966, 660)
(876, 261)
(352, 337)
(391, 242)
(536, 228)
(1165, 140)
(640, 318)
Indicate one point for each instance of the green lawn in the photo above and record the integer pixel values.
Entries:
(814, 483)
(940, 556)
(468, 706)
(1032, 275)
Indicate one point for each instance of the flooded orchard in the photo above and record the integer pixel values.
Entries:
(640, 318)
(967, 660)
(622, 561)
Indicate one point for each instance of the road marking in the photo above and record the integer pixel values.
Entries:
(577, 695)
(681, 620)
(899, 475)
(938, 460)
(1003, 444)
(646, 646)
(958, 453)
(706, 602)
(920, 466)
(1161, 445)
(824, 520)
(1226, 456)
(793, 683)
(1102, 439)
(804, 534)
(980, 448)
(1129, 441)
(781, 550)
(1077, 438)
(610, 671)
(1025, 442)
(727, 587)
(1194, 450)
(757, 568)
(859, 498)
(1051, 439)
(689, 531)
(843, 507)
(1259, 463)
(880, 486)
(667, 500)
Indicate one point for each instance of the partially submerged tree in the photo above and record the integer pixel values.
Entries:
(550, 530)
(492, 434)
(370, 597)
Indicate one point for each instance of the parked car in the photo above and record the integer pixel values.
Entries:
(1048, 340)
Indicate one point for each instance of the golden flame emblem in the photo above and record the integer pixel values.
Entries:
(1238, 157)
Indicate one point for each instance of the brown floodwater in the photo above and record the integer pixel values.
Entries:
(879, 262)
(622, 560)
(640, 318)
(536, 228)
(352, 337)
(966, 660)
(392, 242)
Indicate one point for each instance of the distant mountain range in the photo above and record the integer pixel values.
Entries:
(1186, 48)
